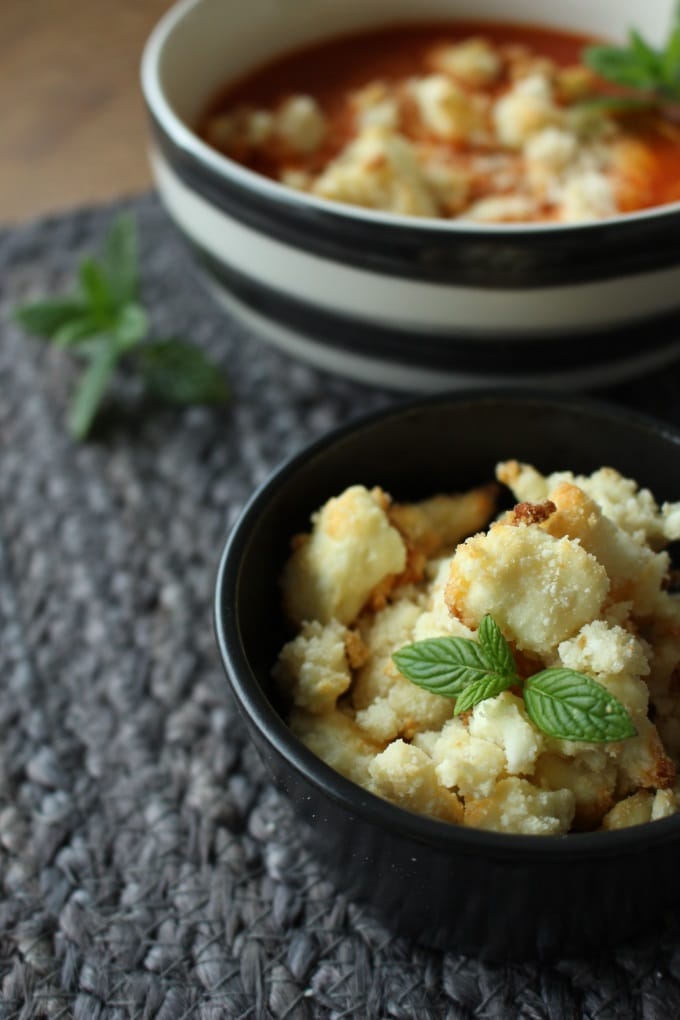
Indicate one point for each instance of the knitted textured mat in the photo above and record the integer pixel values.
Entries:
(148, 868)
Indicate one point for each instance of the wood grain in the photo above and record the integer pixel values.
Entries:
(73, 123)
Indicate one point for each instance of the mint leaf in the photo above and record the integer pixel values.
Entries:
(96, 292)
(180, 373)
(480, 690)
(444, 665)
(91, 388)
(131, 326)
(640, 66)
(103, 321)
(46, 318)
(571, 706)
(495, 646)
(120, 260)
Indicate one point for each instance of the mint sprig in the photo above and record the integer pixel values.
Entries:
(652, 73)
(560, 702)
(104, 325)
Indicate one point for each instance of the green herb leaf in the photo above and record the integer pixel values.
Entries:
(571, 706)
(131, 326)
(444, 665)
(640, 66)
(180, 373)
(480, 690)
(104, 322)
(46, 318)
(560, 702)
(91, 388)
(96, 292)
(495, 646)
(120, 260)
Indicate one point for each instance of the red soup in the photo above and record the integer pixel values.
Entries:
(479, 121)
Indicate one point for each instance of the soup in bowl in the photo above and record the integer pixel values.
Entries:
(409, 197)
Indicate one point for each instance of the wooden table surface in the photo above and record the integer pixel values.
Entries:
(73, 123)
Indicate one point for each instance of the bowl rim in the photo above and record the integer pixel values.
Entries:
(349, 796)
(188, 142)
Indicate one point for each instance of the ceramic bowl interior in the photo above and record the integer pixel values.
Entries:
(521, 896)
(406, 302)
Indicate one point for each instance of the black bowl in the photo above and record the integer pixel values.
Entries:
(485, 893)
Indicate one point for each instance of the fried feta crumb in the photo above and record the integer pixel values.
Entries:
(379, 169)
(405, 775)
(635, 571)
(591, 777)
(471, 765)
(474, 62)
(587, 196)
(527, 108)
(633, 810)
(376, 105)
(664, 804)
(516, 805)
(352, 548)
(336, 739)
(503, 721)
(446, 110)
(313, 668)
(632, 508)
(539, 589)
(501, 209)
(300, 122)
(599, 648)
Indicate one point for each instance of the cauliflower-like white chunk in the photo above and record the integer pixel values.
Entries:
(379, 169)
(503, 721)
(527, 108)
(405, 775)
(301, 123)
(474, 62)
(539, 589)
(313, 667)
(352, 548)
(516, 805)
(468, 764)
(445, 109)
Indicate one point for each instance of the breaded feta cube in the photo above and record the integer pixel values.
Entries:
(502, 209)
(406, 776)
(471, 765)
(474, 62)
(587, 196)
(503, 721)
(516, 805)
(636, 573)
(383, 633)
(633, 810)
(548, 154)
(313, 667)
(376, 105)
(300, 122)
(438, 524)
(352, 548)
(591, 777)
(379, 169)
(632, 508)
(540, 590)
(336, 739)
(525, 110)
(601, 649)
(446, 110)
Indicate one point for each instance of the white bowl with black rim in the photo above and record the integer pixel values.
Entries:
(404, 302)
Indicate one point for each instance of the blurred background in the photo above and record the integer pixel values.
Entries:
(73, 122)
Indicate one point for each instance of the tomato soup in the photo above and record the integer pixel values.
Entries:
(485, 122)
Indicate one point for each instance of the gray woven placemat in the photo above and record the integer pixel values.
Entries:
(148, 868)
